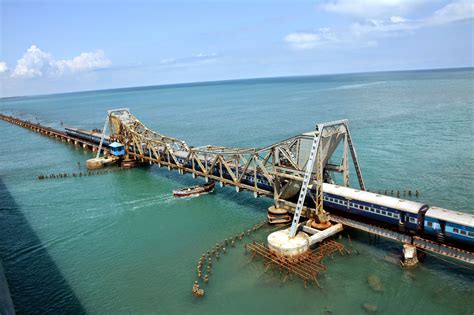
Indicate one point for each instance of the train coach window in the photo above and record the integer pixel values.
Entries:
(455, 230)
(429, 223)
(463, 232)
(471, 234)
(384, 213)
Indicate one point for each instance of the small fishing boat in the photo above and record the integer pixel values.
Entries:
(194, 190)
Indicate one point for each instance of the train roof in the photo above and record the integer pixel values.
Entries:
(115, 145)
(87, 132)
(366, 196)
(457, 217)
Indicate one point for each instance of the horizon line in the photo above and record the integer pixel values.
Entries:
(225, 81)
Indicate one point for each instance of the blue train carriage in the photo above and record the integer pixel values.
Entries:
(407, 214)
(450, 225)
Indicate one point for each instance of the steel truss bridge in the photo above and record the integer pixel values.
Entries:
(279, 170)
(299, 164)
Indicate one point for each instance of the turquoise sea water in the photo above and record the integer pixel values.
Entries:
(120, 243)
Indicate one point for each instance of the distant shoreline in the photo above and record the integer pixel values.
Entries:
(230, 81)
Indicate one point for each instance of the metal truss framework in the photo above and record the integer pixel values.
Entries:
(282, 164)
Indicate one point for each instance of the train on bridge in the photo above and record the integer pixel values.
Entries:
(446, 226)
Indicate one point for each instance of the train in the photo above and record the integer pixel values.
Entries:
(446, 226)
(91, 136)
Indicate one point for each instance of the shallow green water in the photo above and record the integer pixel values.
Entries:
(120, 243)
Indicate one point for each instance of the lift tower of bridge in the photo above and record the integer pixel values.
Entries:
(326, 138)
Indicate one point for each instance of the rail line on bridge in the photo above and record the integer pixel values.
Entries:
(51, 132)
(276, 171)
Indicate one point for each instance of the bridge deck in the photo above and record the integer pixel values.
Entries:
(204, 171)
(50, 132)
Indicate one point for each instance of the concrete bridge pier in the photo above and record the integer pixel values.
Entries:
(410, 256)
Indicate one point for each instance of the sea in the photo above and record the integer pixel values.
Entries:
(120, 243)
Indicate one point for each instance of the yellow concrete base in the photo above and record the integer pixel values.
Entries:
(96, 163)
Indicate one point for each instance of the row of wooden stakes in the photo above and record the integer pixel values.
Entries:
(205, 261)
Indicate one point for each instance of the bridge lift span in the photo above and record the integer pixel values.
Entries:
(280, 170)
(277, 171)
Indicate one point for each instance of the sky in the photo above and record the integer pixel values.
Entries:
(65, 46)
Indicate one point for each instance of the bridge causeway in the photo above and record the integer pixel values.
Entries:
(280, 164)
(51, 132)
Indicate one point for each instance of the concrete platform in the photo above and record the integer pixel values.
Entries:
(281, 243)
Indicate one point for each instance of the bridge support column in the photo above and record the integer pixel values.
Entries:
(410, 257)
(281, 243)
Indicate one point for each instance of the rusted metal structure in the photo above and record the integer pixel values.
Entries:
(306, 266)
(276, 171)
(280, 167)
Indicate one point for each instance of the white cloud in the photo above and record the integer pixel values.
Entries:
(455, 11)
(200, 58)
(3, 67)
(398, 19)
(84, 62)
(384, 27)
(308, 40)
(302, 40)
(36, 63)
(372, 8)
(452, 12)
(33, 63)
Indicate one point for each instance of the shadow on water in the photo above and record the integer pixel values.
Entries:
(36, 283)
